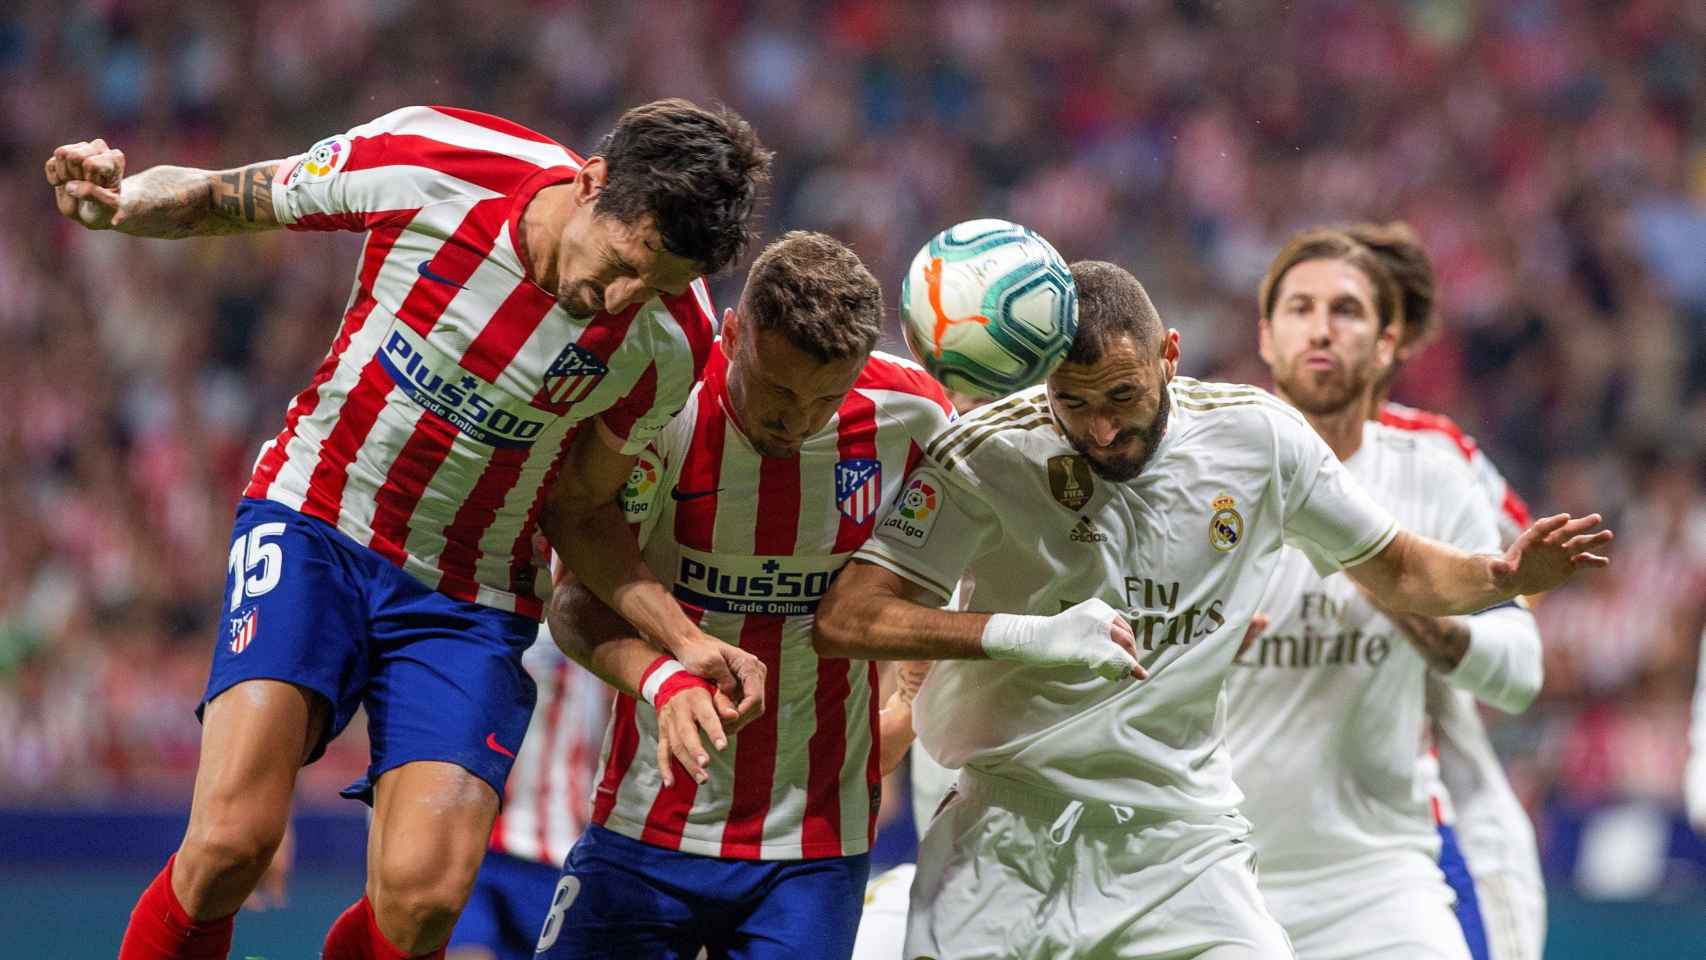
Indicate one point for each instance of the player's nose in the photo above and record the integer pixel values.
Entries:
(1103, 429)
(1319, 326)
(793, 420)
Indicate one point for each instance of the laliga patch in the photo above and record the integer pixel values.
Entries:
(637, 494)
(321, 161)
(916, 509)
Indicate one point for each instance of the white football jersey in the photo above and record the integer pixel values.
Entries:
(1328, 709)
(1184, 549)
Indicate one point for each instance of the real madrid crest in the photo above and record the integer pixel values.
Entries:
(1226, 527)
(1070, 481)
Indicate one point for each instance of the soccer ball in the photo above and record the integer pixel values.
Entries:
(988, 307)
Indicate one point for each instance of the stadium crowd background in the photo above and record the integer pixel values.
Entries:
(1552, 153)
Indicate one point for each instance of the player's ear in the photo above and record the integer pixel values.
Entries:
(1170, 352)
(1265, 340)
(1386, 346)
(589, 182)
(730, 331)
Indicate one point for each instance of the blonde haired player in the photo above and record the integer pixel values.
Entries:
(1327, 709)
(1101, 815)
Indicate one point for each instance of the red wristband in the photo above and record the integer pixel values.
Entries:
(665, 678)
(677, 683)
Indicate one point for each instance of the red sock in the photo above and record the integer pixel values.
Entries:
(356, 936)
(160, 929)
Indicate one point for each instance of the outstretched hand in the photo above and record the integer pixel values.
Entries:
(85, 178)
(1550, 552)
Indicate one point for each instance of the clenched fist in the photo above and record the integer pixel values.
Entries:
(85, 177)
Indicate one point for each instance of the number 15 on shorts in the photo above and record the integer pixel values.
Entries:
(255, 565)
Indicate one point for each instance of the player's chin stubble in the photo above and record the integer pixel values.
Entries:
(1325, 392)
(581, 301)
(1122, 469)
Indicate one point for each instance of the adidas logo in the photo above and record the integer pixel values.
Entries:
(1085, 532)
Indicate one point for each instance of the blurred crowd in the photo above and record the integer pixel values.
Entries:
(1552, 153)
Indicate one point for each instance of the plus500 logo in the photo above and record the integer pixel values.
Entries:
(771, 586)
(456, 395)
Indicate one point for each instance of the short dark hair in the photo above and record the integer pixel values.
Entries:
(1111, 304)
(814, 290)
(1333, 244)
(694, 172)
(1400, 249)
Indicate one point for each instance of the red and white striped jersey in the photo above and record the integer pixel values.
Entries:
(1442, 431)
(549, 794)
(749, 545)
(447, 401)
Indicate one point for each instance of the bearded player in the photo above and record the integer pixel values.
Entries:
(522, 323)
(1328, 706)
(1101, 815)
(1487, 845)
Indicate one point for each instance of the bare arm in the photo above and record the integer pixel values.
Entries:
(167, 202)
(872, 613)
(591, 634)
(1414, 574)
(1494, 654)
(894, 722)
(585, 526)
(1441, 641)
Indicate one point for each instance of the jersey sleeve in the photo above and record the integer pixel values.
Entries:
(1327, 514)
(932, 531)
(640, 495)
(381, 171)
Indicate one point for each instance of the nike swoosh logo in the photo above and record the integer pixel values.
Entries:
(426, 271)
(492, 741)
(677, 494)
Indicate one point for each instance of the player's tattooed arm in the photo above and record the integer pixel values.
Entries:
(183, 202)
(1442, 641)
(90, 187)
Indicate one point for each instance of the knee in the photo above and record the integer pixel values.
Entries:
(223, 846)
(411, 893)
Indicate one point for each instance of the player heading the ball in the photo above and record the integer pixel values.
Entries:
(523, 322)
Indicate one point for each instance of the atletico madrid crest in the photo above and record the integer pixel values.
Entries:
(858, 488)
(243, 629)
(573, 375)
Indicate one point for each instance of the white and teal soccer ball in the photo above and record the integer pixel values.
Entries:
(988, 307)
